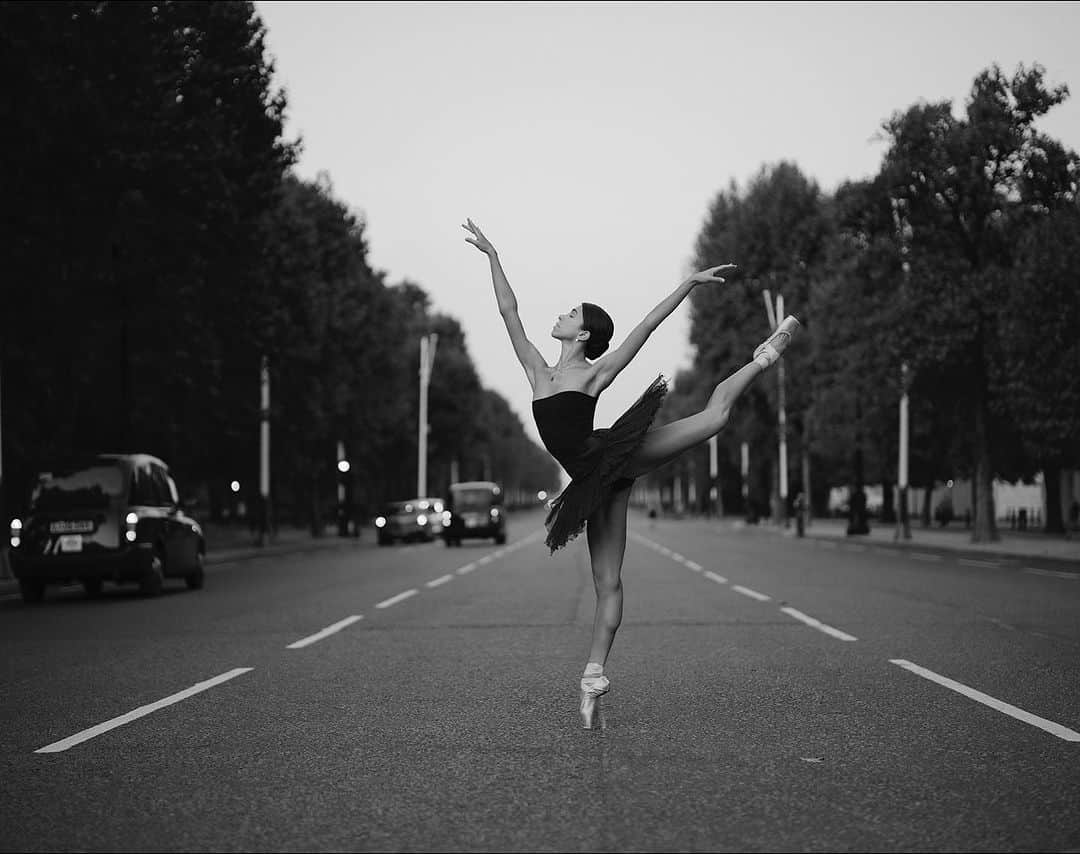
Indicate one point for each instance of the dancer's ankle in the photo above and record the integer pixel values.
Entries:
(593, 668)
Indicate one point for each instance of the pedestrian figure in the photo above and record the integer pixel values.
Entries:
(604, 463)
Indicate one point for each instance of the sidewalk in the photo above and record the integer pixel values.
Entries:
(954, 538)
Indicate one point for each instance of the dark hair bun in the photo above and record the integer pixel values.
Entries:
(600, 327)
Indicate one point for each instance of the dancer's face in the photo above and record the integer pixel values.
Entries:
(569, 325)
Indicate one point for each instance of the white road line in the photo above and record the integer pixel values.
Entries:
(719, 579)
(142, 711)
(925, 556)
(442, 579)
(817, 624)
(753, 594)
(1052, 573)
(694, 566)
(678, 557)
(971, 562)
(325, 633)
(464, 570)
(998, 705)
(401, 597)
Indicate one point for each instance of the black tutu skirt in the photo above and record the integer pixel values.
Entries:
(599, 469)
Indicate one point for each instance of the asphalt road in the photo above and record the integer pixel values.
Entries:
(767, 694)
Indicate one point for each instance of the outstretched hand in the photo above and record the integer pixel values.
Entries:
(478, 240)
(713, 274)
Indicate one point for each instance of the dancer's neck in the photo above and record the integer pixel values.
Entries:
(571, 355)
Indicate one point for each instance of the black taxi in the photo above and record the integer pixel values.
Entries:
(113, 517)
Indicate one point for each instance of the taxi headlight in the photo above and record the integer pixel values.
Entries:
(421, 519)
(446, 517)
(380, 522)
(494, 512)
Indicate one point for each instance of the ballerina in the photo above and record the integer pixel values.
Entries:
(603, 463)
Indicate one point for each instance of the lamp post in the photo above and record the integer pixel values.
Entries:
(903, 522)
(427, 361)
(264, 451)
(775, 316)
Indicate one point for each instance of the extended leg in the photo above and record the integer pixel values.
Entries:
(664, 443)
(606, 533)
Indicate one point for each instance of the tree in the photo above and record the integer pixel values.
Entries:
(965, 188)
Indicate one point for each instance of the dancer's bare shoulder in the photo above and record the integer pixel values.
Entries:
(551, 381)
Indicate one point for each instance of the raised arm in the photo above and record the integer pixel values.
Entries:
(611, 365)
(527, 354)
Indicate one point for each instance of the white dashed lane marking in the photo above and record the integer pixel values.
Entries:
(325, 633)
(401, 597)
(719, 579)
(442, 579)
(998, 705)
(142, 711)
(753, 594)
(817, 624)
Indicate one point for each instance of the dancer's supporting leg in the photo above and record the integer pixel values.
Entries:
(668, 441)
(606, 533)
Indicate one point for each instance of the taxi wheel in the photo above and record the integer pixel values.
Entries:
(196, 579)
(153, 579)
(32, 591)
(92, 586)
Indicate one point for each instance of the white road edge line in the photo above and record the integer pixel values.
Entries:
(719, 579)
(817, 624)
(463, 570)
(401, 597)
(694, 566)
(925, 556)
(442, 579)
(325, 633)
(967, 561)
(142, 711)
(1051, 572)
(753, 594)
(998, 705)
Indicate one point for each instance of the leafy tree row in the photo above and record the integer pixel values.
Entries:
(958, 260)
(159, 246)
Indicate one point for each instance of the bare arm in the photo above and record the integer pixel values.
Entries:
(612, 364)
(527, 354)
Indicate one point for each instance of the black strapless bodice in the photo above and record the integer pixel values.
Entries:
(565, 422)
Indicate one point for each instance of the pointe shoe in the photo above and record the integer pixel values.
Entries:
(769, 352)
(592, 688)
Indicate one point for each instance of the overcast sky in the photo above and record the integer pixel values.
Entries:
(588, 140)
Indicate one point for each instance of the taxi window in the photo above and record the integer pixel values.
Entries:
(92, 486)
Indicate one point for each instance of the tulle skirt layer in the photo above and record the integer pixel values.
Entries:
(598, 470)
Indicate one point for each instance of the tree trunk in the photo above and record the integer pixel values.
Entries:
(984, 528)
(1055, 521)
(888, 506)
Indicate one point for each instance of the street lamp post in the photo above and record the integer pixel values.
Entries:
(264, 451)
(903, 522)
(427, 361)
(775, 316)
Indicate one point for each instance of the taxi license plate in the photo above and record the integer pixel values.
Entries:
(71, 543)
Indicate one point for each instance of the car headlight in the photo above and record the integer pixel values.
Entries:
(380, 522)
(421, 520)
(446, 517)
(16, 533)
(131, 520)
(494, 512)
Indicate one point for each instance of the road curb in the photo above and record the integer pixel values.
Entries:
(9, 585)
(1009, 558)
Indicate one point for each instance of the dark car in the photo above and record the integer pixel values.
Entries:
(475, 509)
(415, 519)
(114, 517)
